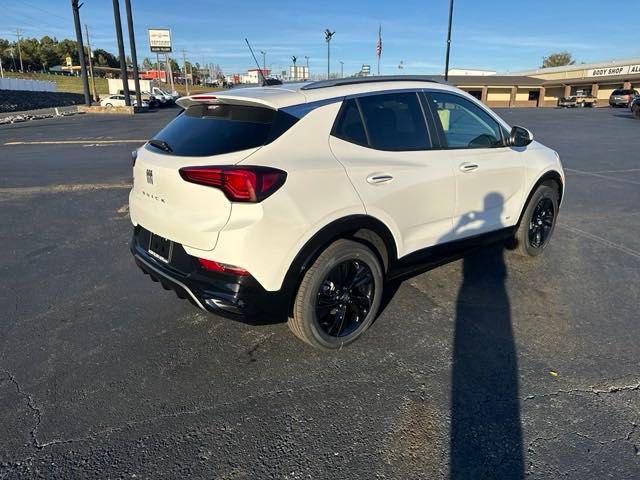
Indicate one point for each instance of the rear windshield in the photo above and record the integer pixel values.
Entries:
(205, 130)
(622, 92)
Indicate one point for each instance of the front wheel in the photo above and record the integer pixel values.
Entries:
(339, 296)
(538, 222)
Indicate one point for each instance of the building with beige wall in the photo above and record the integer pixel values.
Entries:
(544, 87)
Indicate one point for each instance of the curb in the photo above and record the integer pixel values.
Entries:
(23, 116)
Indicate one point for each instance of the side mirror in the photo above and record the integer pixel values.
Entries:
(520, 137)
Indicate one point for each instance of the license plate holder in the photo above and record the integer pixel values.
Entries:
(160, 248)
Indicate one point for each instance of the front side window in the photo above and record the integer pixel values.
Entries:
(464, 124)
(395, 121)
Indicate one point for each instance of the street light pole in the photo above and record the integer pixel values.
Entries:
(264, 60)
(123, 63)
(328, 35)
(134, 55)
(446, 68)
(83, 67)
(307, 59)
(341, 69)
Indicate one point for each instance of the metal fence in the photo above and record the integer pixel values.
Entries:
(28, 85)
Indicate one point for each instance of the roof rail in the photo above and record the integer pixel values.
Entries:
(381, 78)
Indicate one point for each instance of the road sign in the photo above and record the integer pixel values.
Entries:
(160, 40)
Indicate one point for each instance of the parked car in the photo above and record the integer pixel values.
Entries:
(118, 101)
(622, 97)
(302, 201)
(635, 107)
(145, 96)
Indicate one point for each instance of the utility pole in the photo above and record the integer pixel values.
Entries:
(83, 66)
(134, 55)
(123, 62)
(93, 78)
(184, 68)
(341, 69)
(446, 67)
(328, 35)
(19, 49)
(167, 59)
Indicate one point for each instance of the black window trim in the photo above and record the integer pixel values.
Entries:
(433, 141)
(443, 140)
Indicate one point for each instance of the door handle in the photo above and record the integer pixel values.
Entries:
(469, 167)
(379, 178)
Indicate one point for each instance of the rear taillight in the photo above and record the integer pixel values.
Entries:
(245, 184)
(222, 267)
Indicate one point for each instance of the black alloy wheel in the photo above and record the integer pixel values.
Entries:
(345, 298)
(541, 223)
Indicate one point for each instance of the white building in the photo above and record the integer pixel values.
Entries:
(298, 72)
(253, 75)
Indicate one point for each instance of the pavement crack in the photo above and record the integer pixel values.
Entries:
(592, 389)
(32, 406)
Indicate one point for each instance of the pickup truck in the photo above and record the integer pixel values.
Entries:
(580, 101)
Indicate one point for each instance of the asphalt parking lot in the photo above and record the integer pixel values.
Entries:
(487, 367)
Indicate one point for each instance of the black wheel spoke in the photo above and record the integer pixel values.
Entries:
(542, 220)
(345, 298)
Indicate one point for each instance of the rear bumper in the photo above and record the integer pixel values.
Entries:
(237, 297)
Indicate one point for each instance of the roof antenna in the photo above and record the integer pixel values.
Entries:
(265, 81)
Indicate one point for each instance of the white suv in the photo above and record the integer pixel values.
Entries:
(300, 201)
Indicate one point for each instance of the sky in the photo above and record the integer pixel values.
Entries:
(502, 35)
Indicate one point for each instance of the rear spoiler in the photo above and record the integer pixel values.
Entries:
(212, 99)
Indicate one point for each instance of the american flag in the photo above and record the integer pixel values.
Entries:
(379, 44)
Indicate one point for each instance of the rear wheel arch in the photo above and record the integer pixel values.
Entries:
(361, 228)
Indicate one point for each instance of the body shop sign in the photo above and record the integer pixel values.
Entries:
(612, 71)
(160, 40)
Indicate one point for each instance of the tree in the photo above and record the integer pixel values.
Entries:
(146, 64)
(558, 59)
(102, 58)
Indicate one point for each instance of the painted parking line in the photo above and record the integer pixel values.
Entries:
(606, 177)
(7, 193)
(72, 142)
(601, 240)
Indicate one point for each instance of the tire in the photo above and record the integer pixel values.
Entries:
(531, 238)
(327, 314)
(108, 105)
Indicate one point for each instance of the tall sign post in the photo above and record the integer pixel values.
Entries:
(123, 59)
(160, 42)
(134, 55)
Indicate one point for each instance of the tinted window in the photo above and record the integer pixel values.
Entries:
(349, 125)
(204, 130)
(465, 124)
(395, 121)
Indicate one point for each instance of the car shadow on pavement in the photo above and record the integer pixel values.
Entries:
(486, 434)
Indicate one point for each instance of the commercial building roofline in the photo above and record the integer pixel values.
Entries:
(576, 66)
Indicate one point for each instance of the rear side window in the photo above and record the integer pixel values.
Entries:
(395, 121)
(349, 126)
(215, 129)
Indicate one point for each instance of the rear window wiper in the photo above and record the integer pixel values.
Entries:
(161, 144)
